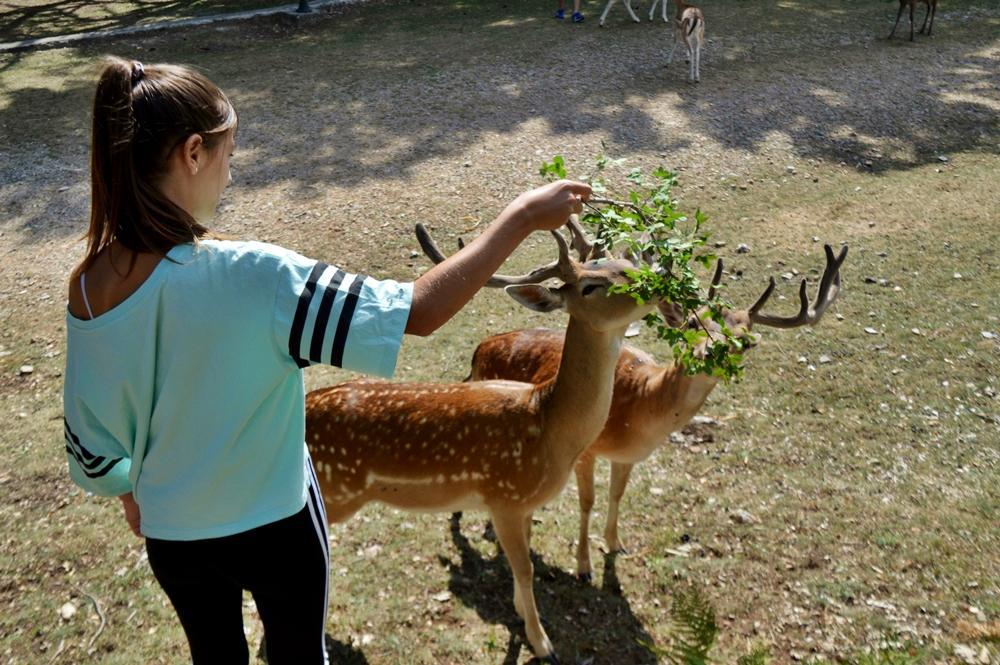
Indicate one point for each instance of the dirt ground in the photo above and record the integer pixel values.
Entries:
(871, 474)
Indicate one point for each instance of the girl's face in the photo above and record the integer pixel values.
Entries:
(213, 178)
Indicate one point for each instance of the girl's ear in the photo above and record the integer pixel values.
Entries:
(190, 153)
(536, 297)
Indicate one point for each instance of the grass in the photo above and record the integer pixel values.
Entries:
(31, 19)
(872, 477)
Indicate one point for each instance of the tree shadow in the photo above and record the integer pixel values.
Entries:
(586, 624)
(370, 94)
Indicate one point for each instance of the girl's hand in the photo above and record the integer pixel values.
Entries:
(548, 207)
(131, 512)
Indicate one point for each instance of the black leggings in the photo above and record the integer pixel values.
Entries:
(284, 565)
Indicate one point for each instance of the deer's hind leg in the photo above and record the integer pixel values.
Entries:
(619, 480)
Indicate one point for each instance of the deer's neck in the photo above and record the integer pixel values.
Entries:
(579, 400)
(680, 396)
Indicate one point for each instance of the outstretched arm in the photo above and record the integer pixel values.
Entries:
(443, 290)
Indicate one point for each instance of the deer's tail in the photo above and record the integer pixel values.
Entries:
(692, 23)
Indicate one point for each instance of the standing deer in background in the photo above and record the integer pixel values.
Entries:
(650, 401)
(689, 27)
(931, 11)
(502, 446)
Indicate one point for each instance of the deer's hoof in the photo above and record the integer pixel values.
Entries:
(585, 577)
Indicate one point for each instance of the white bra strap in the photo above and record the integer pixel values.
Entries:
(83, 292)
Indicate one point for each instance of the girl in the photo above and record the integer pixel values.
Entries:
(183, 387)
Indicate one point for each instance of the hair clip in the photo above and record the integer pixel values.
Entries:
(137, 71)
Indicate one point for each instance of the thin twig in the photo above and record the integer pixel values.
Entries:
(100, 613)
(62, 647)
(620, 204)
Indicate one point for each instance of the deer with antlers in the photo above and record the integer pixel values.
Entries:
(502, 446)
(912, 4)
(649, 400)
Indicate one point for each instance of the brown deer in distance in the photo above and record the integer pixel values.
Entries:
(649, 401)
(689, 28)
(501, 446)
(912, 4)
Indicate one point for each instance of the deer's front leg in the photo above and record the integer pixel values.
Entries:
(600, 21)
(619, 479)
(512, 534)
(652, 9)
(628, 6)
(670, 58)
(585, 489)
(896, 24)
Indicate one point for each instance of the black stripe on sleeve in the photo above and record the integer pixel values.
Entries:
(100, 472)
(323, 316)
(344, 324)
(301, 312)
(86, 459)
(81, 452)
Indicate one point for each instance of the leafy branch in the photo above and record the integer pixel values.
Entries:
(647, 223)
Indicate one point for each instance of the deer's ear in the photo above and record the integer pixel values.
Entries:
(536, 297)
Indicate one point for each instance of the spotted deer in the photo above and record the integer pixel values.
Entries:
(912, 4)
(689, 28)
(501, 446)
(649, 400)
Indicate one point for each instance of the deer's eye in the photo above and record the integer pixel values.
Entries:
(590, 288)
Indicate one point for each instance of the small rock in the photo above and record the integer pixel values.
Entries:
(787, 276)
(966, 653)
(742, 517)
(67, 611)
(442, 597)
(883, 281)
(942, 159)
(871, 331)
(870, 280)
(984, 655)
(790, 169)
(705, 420)
(916, 331)
(414, 254)
(803, 360)
(656, 491)
(957, 275)
(26, 369)
(720, 243)
(825, 360)
(743, 248)
(467, 164)
(989, 335)
(840, 317)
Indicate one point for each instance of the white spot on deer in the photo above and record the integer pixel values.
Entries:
(439, 479)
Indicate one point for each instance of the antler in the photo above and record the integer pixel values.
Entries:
(829, 288)
(560, 269)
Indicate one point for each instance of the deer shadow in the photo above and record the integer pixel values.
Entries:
(586, 624)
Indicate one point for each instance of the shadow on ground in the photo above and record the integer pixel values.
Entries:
(372, 93)
(586, 624)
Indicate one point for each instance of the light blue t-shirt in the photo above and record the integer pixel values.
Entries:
(190, 395)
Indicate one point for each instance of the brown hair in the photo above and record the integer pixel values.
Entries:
(140, 115)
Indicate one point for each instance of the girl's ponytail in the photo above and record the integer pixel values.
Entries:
(141, 113)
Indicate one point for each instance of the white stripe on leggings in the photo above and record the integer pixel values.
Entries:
(318, 515)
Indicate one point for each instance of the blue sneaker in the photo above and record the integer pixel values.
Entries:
(577, 17)
(560, 14)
